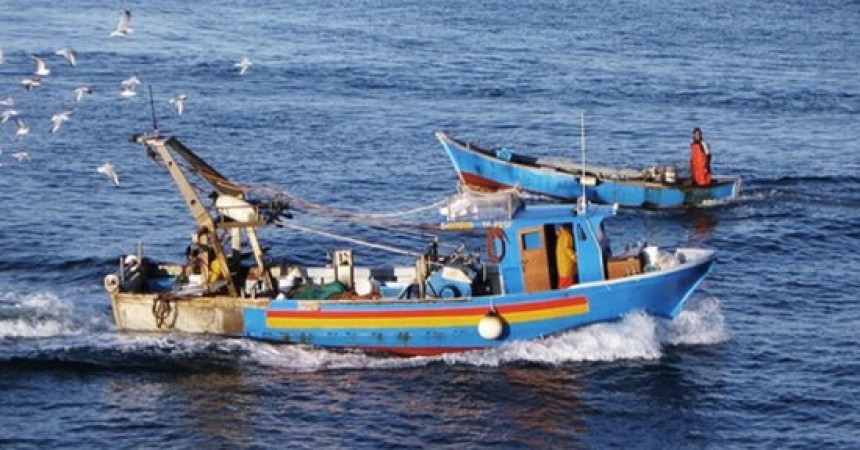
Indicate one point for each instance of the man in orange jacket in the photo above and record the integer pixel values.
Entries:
(565, 258)
(700, 160)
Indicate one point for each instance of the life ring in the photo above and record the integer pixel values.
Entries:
(494, 235)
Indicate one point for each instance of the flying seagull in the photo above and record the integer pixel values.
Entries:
(131, 82)
(129, 87)
(58, 120)
(21, 128)
(21, 156)
(42, 69)
(179, 103)
(108, 169)
(243, 65)
(80, 91)
(67, 53)
(8, 101)
(7, 114)
(123, 28)
(30, 83)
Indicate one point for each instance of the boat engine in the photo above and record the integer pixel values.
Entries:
(460, 274)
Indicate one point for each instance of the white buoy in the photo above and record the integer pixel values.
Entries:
(491, 326)
(111, 283)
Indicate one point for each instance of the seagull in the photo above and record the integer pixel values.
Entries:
(108, 169)
(42, 69)
(21, 156)
(21, 128)
(243, 65)
(179, 103)
(8, 101)
(58, 120)
(67, 53)
(131, 82)
(80, 91)
(30, 83)
(123, 28)
(129, 86)
(7, 114)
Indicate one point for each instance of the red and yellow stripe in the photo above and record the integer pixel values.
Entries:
(426, 318)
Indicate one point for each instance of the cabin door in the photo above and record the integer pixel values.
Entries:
(533, 254)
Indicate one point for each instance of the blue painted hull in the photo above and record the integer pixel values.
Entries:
(446, 325)
(484, 169)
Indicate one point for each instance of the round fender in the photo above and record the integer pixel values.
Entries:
(111, 283)
(496, 237)
(491, 326)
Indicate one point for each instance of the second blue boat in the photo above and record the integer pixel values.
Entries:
(653, 188)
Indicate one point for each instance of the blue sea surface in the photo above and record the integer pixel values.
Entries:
(339, 108)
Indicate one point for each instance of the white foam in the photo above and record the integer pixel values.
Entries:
(700, 323)
(38, 315)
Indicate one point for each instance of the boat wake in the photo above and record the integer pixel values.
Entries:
(41, 315)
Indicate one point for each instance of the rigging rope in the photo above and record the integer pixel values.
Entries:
(352, 240)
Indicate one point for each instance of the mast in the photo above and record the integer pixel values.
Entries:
(582, 199)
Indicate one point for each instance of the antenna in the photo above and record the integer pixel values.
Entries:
(582, 199)
(152, 108)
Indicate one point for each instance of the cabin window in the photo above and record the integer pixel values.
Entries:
(531, 240)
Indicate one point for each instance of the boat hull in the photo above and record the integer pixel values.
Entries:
(437, 326)
(480, 169)
(416, 327)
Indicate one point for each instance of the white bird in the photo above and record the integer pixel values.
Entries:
(42, 69)
(80, 91)
(179, 103)
(67, 53)
(30, 83)
(58, 119)
(21, 156)
(21, 128)
(129, 87)
(108, 169)
(243, 65)
(123, 28)
(8, 101)
(7, 114)
(131, 82)
(2, 56)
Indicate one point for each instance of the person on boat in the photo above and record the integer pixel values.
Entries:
(215, 273)
(700, 160)
(565, 257)
(197, 265)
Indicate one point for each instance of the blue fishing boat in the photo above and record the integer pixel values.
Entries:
(652, 188)
(445, 302)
